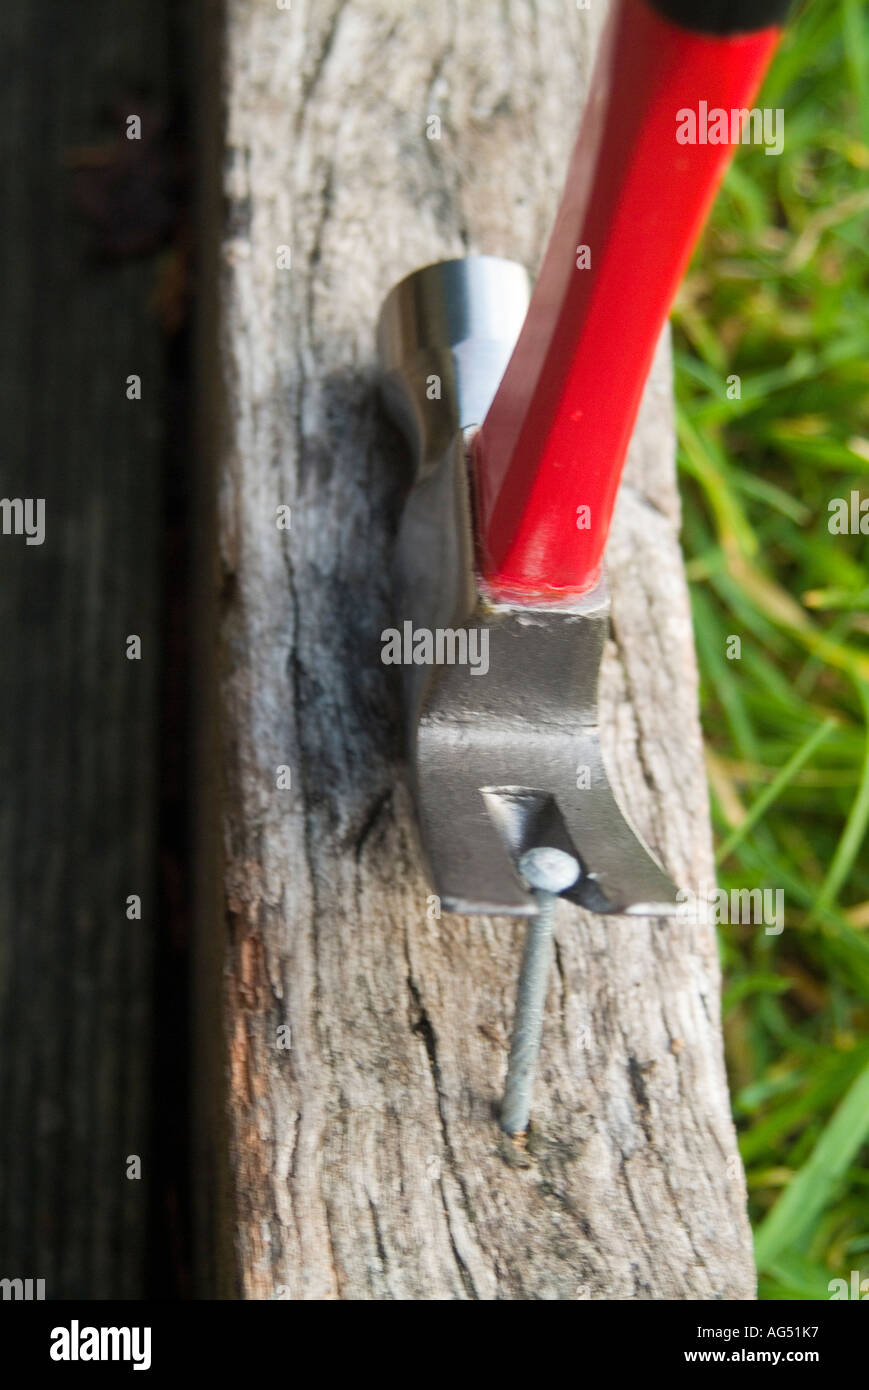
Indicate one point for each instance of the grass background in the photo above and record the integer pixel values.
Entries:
(778, 295)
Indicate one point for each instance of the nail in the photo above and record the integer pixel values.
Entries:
(548, 871)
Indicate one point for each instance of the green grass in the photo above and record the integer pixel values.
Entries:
(778, 295)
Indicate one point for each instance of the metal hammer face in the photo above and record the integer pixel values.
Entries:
(500, 698)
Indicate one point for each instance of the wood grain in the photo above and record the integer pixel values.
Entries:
(78, 818)
(365, 1162)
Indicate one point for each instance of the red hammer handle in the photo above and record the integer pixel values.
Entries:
(554, 440)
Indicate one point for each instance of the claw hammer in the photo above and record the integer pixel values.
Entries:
(520, 406)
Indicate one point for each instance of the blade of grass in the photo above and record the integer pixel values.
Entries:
(814, 1185)
(857, 59)
(817, 1091)
(769, 794)
(855, 826)
(799, 1278)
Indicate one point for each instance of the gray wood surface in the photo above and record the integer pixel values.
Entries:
(366, 1162)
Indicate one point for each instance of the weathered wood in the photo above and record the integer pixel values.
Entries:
(79, 804)
(366, 1162)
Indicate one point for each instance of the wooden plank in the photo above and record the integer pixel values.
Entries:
(366, 1162)
(79, 806)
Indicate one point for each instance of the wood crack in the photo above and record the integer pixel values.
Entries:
(422, 1026)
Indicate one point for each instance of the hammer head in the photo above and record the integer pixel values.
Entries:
(500, 700)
